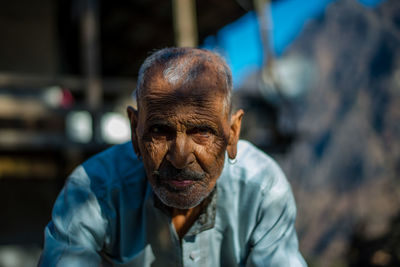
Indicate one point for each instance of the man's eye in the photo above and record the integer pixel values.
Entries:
(154, 130)
(202, 131)
(160, 130)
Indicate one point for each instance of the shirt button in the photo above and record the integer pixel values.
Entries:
(192, 256)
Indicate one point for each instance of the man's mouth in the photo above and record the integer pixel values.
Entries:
(178, 179)
(180, 184)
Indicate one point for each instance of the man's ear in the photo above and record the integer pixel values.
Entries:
(133, 118)
(236, 122)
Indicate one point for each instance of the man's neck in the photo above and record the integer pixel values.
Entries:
(184, 219)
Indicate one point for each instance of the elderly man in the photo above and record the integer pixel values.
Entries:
(189, 193)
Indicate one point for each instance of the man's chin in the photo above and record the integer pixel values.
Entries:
(178, 198)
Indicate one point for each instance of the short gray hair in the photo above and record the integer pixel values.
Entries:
(183, 64)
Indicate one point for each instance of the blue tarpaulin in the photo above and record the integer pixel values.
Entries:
(240, 41)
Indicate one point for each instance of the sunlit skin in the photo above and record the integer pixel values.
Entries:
(182, 132)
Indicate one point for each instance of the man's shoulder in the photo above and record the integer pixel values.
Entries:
(113, 165)
(253, 170)
(250, 188)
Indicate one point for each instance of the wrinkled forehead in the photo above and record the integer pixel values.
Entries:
(199, 95)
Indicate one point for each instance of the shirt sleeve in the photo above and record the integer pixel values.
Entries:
(76, 233)
(274, 238)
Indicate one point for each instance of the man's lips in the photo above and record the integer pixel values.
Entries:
(180, 183)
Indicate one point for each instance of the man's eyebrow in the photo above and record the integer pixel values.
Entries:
(159, 122)
(201, 124)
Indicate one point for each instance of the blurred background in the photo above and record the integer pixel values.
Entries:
(319, 81)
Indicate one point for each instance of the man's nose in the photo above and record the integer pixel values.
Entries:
(180, 153)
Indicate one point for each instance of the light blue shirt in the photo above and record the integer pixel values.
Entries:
(107, 214)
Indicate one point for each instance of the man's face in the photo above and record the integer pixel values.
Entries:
(182, 134)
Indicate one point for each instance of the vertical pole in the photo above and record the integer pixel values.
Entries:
(185, 25)
(91, 53)
(263, 11)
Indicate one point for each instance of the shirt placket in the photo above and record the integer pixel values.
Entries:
(192, 249)
(194, 243)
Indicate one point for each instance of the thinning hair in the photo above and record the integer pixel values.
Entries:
(184, 65)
